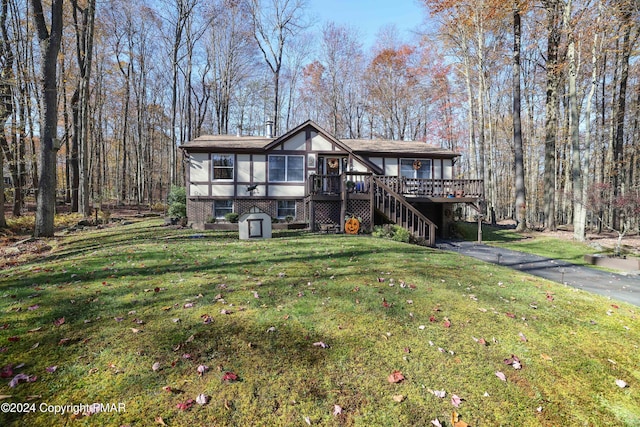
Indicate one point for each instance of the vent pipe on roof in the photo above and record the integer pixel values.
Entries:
(269, 128)
(239, 131)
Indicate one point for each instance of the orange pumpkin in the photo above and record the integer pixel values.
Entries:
(352, 226)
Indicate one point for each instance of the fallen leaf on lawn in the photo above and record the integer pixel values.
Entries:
(13, 339)
(33, 307)
(5, 396)
(484, 310)
(337, 410)
(156, 366)
(456, 421)
(185, 405)
(522, 337)
(33, 347)
(501, 376)
(202, 369)
(395, 377)
(135, 330)
(22, 378)
(511, 315)
(513, 361)
(223, 311)
(160, 421)
(188, 305)
(52, 368)
(6, 371)
(307, 420)
(64, 341)
(186, 356)
(229, 376)
(255, 295)
(39, 328)
(191, 338)
(271, 329)
(320, 344)
(480, 341)
(456, 400)
(118, 319)
(433, 319)
(175, 320)
(436, 423)
(202, 399)
(439, 393)
(447, 323)
(546, 357)
(621, 383)
(398, 398)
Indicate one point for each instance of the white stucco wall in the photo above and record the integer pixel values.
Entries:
(391, 167)
(286, 190)
(259, 168)
(447, 172)
(297, 143)
(199, 166)
(244, 168)
(437, 169)
(318, 143)
(198, 190)
(222, 190)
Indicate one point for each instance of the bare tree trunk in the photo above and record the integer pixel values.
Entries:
(521, 194)
(50, 46)
(551, 120)
(579, 211)
(84, 55)
(618, 147)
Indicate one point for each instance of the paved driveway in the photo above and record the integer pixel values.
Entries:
(623, 287)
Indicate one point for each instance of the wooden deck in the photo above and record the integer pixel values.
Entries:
(330, 187)
(393, 197)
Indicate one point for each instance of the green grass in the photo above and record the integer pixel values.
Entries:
(379, 305)
(529, 242)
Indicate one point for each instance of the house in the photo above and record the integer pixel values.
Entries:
(309, 176)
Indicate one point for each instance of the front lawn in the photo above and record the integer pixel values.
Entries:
(185, 328)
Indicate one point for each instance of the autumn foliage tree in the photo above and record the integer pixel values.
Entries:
(393, 89)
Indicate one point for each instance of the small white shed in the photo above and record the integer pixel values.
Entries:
(254, 224)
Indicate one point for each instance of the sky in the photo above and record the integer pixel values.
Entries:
(369, 16)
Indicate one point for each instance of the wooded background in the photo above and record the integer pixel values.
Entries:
(542, 98)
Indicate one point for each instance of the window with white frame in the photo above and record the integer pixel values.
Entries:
(286, 208)
(222, 207)
(222, 166)
(415, 168)
(286, 168)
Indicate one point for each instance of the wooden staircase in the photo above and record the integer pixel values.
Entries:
(399, 211)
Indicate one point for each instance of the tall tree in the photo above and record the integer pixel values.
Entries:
(553, 70)
(84, 29)
(50, 39)
(273, 26)
(521, 195)
(6, 96)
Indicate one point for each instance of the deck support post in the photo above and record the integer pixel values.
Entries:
(312, 215)
(343, 207)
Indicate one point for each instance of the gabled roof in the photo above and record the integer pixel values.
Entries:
(358, 147)
(228, 142)
(368, 147)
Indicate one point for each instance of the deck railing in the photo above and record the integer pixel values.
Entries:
(352, 182)
(434, 187)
